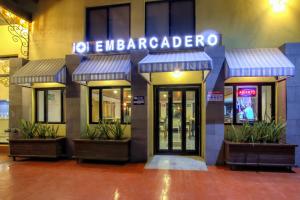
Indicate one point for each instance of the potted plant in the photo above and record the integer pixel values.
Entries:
(37, 140)
(104, 142)
(259, 144)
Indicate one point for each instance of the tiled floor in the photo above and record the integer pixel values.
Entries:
(64, 180)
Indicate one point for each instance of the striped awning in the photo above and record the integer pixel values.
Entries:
(169, 62)
(257, 63)
(103, 67)
(41, 71)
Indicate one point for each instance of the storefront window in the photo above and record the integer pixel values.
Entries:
(111, 104)
(95, 105)
(108, 22)
(127, 105)
(54, 106)
(40, 106)
(110, 107)
(170, 18)
(266, 103)
(49, 105)
(228, 104)
(248, 103)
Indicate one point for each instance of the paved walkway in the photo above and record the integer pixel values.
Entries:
(64, 180)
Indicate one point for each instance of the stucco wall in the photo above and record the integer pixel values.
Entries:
(7, 46)
(243, 23)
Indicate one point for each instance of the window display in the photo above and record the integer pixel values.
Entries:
(110, 104)
(248, 103)
(49, 106)
(228, 102)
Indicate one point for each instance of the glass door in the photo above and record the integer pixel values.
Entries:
(177, 120)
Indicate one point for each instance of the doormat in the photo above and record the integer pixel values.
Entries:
(176, 163)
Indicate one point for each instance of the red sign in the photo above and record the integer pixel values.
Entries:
(247, 92)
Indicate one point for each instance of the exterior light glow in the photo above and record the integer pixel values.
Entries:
(81, 47)
(177, 73)
(115, 91)
(278, 5)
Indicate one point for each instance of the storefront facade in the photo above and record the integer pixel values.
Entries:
(175, 82)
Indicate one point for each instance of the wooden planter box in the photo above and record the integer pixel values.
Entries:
(281, 155)
(106, 150)
(43, 148)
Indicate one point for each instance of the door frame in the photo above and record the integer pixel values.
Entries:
(198, 137)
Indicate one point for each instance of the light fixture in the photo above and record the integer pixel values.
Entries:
(115, 91)
(278, 5)
(177, 73)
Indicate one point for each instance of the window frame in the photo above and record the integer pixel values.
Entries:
(45, 90)
(259, 97)
(169, 14)
(101, 103)
(107, 8)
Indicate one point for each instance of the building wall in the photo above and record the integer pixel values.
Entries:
(242, 23)
(8, 47)
(292, 51)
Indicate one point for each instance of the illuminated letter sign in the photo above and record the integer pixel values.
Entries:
(247, 92)
(153, 43)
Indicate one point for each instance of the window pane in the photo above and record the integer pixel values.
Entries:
(111, 104)
(54, 105)
(190, 120)
(119, 22)
(182, 18)
(266, 103)
(40, 106)
(157, 19)
(97, 24)
(228, 104)
(95, 106)
(246, 103)
(163, 120)
(177, 120)
(127, 105)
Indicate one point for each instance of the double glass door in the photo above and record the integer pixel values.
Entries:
(177, 120)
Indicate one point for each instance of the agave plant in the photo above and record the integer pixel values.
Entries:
(259, 132)
(90, 133)
(28, 129)
(117, 130)
(104, 129)
(42, 131)
(53, 132)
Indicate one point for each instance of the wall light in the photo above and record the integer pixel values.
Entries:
(278, 5)
(177, 73)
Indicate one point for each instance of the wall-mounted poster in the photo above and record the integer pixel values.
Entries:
(4, 109)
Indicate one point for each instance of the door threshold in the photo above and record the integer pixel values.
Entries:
(176, 162)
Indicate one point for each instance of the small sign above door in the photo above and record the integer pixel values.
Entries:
(138, 100)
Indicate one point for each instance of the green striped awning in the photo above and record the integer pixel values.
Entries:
(41, 71)
(103, 67)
